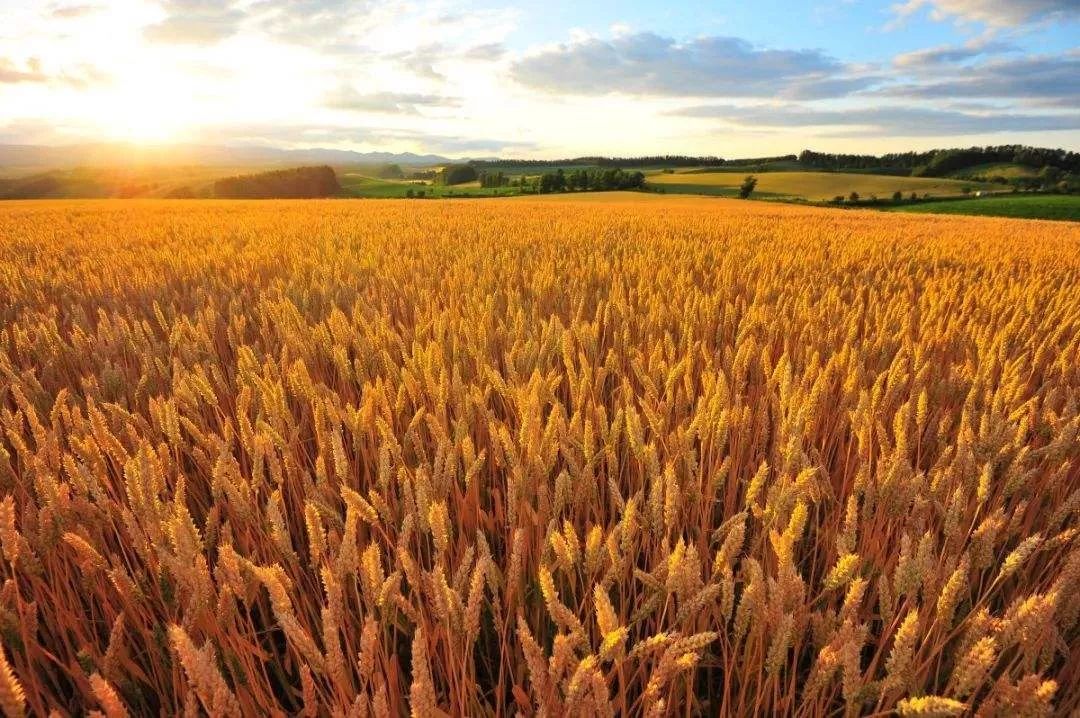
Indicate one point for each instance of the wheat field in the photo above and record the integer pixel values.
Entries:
(616, 457)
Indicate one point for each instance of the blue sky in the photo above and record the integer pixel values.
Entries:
(551, 78)
(848, 29)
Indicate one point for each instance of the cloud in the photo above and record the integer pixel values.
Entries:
(824, 87)
(206, 22)
(195, 22)
(421, 61)
(66, 12)
(306, 136)
(32, 71)
(649, 64)
(10, 73)
(996, 13)
(309, 21)
(387, 102)
(885, 121)
(488, 52)
(943, 55)
(456, 145)
(1044, 78)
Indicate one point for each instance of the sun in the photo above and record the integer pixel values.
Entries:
(143, 109)
(143, 127)
(142, 119)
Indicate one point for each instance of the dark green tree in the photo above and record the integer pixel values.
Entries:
(747, 187)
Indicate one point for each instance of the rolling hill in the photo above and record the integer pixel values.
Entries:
(814, 186)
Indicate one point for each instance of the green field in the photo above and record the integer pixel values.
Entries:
(1026, 206)
(356, 185)
(812, 185)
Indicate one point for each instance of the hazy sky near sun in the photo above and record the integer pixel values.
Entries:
(551, 78)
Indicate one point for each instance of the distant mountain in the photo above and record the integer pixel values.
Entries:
(119, 154)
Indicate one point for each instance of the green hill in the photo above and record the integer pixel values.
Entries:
(814, 186)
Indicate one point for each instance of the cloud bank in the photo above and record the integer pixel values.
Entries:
(649, 64)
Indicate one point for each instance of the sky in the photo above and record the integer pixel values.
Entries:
(551, 78)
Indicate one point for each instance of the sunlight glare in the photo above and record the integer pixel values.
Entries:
(145, 108)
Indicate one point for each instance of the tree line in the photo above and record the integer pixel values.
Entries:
(576, 180)
(494, 179)
(623, 162)
(750, 161)
(296, 183)
(584, 180)
(935, 163)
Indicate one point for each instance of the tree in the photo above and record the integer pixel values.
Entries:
(389, 171)
(853, 197)
(747, 187)
(1050, 176)
(493, 179)
(897, 196)
(456, 174)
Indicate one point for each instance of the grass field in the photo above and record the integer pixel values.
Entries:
(598, 455)
(1029, 206)
(354, 185)
(811, 185)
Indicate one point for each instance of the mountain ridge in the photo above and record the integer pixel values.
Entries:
(26, 156)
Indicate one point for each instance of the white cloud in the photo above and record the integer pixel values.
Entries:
(998, 13)
(348, 98)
